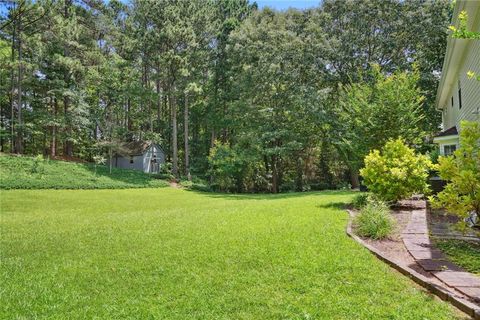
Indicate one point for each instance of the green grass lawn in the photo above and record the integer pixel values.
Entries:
(30, 173)
(175, 254)
(464, 253)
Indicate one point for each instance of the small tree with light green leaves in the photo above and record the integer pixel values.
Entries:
(461, 170)
(396, 172)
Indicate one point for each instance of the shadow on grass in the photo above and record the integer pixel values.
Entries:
(272, 196)
(333, 205)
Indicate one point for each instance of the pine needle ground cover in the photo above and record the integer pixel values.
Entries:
(175, 254)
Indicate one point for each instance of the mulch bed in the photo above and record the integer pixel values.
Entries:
(393, 247)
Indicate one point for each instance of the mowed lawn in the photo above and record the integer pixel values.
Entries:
(174, 254)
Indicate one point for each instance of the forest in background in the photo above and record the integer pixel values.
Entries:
(251, 100)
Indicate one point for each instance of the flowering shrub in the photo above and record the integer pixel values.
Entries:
(396, 172)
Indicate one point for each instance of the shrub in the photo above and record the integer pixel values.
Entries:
(360, 200)
(374, 220)
(461, 195)
(396, 172)
(37, 164)
(162, 176)
(196, 184)
(225, 167)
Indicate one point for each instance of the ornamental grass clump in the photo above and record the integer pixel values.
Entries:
(374, 220)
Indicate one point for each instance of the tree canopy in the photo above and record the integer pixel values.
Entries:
(276, 92)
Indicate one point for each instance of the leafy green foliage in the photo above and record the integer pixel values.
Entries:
(374, 220)
(175, 254)
(37, 173)
(462, 32)
(233, 169)
(461, 195)
(464, 253)
(376, 110)
(189, 73)
(360, 200)
(196, 184)
(396, 172)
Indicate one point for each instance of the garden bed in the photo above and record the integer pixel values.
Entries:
(409, 249)
(393, 247)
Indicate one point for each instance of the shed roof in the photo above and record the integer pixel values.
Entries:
(136, 148)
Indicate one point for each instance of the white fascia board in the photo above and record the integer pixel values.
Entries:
(456, 51)
(442, 140)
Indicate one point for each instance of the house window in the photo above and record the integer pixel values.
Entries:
(131, 159)
(459, 96)
(449, 149)
(452, 101)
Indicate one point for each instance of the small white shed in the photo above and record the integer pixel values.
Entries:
(140, 155)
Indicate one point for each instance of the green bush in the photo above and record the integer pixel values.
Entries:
(163, 176)
(396, 172)
(461, 195)
(196, 184)
(37, 164)
(225, 167)
(374, 221)
(360, 200)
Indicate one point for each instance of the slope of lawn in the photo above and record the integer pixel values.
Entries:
(174, 254)
(464, 253)
(34, 173)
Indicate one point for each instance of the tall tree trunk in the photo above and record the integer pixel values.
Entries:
(159, 105)
(186, 133)
(299, 178)
(354, 178)
(274, 175)
(53, 143)
(213, 138)
(129, 122)
(68, 149)
(110, 155)
(173, 107)
(12, 90)
(19, 138)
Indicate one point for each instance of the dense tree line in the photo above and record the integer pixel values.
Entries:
(250, 99)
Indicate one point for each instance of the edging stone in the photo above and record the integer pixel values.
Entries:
(468, 307)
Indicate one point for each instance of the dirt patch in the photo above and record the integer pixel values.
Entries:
(175, 184)
(393, 246)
